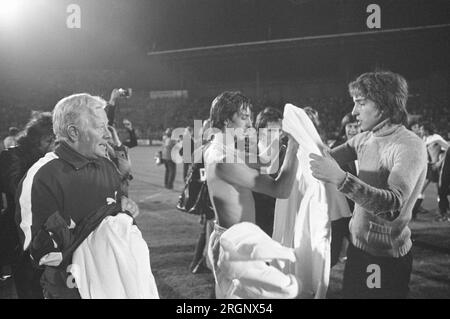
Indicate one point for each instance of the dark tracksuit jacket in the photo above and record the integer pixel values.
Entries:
(66, 182)
(56, 236)
(63, 181)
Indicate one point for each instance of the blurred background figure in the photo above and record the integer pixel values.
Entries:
(188, 134)
(269, 118)
(170, 165)
(199, 263)
(11, 139)
(349, 128)
(436, 148)
(444, 187)
(339, 228)
(118, 153)
(414, 126)
(130, 139)
(34, 142)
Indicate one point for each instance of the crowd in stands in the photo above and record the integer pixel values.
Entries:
(151, 116)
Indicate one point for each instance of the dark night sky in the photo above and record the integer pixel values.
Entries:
(114, 31)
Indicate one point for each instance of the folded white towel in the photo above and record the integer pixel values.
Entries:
(113, 262)
(245, 253)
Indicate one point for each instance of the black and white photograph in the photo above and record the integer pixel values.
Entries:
(244, 151)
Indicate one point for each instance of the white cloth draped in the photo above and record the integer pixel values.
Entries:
(303, 221)
(113, 262)
(243, 265)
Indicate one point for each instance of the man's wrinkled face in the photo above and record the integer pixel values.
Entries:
(94, 135)
(366, 112)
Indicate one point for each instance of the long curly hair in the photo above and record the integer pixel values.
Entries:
(388, 90)
(39, 126)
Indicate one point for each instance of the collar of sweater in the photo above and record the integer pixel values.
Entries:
(385, 128)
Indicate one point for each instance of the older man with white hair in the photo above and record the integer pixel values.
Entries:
(73, 181)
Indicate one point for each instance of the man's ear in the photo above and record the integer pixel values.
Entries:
(73, 133)
(381, 114)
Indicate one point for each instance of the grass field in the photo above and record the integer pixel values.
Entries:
(171, 236)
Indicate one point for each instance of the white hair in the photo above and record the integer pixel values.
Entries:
(74, 110)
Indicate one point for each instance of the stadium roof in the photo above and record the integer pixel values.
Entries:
(299, 42)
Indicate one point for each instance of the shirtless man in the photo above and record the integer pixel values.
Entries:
(230, 183)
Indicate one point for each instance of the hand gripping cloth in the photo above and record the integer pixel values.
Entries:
(245, 265)
(303, 221)
(113, 262)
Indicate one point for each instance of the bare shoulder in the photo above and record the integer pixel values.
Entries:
(237, 174)
(235, 168)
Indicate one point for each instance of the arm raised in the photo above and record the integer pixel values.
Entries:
(244, 176)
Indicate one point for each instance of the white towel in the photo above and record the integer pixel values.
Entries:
(303, 221)
(245, 251)
(113, 262)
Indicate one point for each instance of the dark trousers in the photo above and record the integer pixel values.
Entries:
(169, 176)
(444, 184)
(200, 247)
(9, 238)
(371, 277)
(27, 279)
(185, 170)
(339, 231)
(264, 212)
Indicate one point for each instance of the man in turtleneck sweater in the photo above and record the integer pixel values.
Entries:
(392, 169)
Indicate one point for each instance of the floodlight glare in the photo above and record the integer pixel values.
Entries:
(9, 12)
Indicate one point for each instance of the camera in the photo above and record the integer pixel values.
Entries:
(125, 92)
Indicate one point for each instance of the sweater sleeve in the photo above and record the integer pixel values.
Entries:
(409, 162)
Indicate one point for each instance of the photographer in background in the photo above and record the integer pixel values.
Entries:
(117, 151)
(112, 105)
(131, 139)
(170, 165)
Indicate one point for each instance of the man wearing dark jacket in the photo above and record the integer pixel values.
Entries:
(75, 180)
(269, 118)
(36, 140)
(444, 186)
(131, 139)
(170, 165)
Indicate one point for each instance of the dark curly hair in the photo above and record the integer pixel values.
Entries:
(225, 105)
(269, 114)
(40, 125)
(388, 90)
